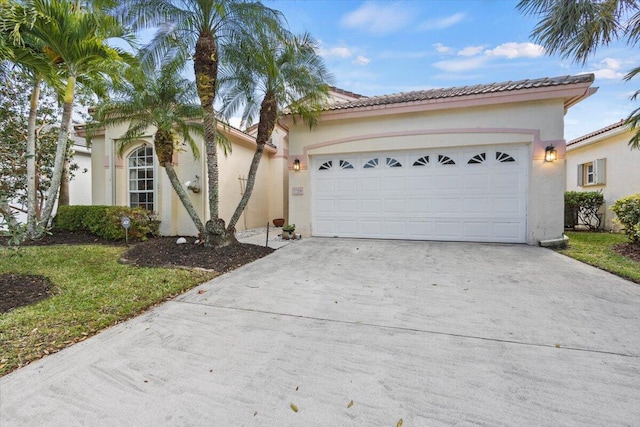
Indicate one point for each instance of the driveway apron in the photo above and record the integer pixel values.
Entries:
(333, 332)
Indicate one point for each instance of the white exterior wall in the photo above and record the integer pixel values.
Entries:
(622, 171)
(536, 123)
(110, 182)
(80, 184)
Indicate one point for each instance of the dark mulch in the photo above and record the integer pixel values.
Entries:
(164, 252)
(64, 237)
(18, 290)
(629, 250)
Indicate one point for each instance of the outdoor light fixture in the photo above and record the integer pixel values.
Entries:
(193, 185)
(550, 154)
(296, 165)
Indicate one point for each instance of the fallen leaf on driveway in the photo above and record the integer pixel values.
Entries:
(399, 423)
(350, 404)
(294, 408)
(201, 291)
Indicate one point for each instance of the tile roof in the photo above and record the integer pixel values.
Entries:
(597, 132)
(453, 92)
(346, 92)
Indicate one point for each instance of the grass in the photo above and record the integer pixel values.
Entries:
(596, 249)
(91, 292)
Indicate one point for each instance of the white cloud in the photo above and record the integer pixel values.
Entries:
(457, 65)
(440, 48)
(378, 18)
(609, 69)
(362, 60)
(514, 50)
(335, 52)
(471, 51)
(608, 74)
(442, 23)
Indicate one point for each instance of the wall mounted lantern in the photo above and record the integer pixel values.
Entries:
(296, 165)
(193, 185)
(550, 154)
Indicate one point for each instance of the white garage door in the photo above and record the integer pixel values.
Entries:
(470, 194)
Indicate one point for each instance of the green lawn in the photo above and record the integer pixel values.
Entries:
(91, 291)
(597, 249)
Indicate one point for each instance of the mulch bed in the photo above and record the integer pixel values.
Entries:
(629, 250)
(164, 252)
(17, 290)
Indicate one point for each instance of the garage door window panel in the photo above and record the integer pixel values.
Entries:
(326, 166)
(504, 157)
(371, 164)
(477, 159)
(422, 161)
(445, 160)
(393, 163)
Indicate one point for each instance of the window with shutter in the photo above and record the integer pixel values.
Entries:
(592, 173)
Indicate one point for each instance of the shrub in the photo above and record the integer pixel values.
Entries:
(627, 210)
(583, 207)
(105, 221)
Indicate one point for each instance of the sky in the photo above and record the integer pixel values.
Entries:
(383, 47)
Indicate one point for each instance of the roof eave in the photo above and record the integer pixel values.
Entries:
(570, 93)
(597, 138)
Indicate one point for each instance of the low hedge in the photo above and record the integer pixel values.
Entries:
(627, 210)
(582, 207)
(105, 221)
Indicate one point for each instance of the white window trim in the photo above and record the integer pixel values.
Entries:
(598, 174)
(155, 176)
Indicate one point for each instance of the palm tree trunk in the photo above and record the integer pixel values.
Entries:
(63, 196)
(205, 64)
(61, 151)
(268, 117)
(183, 196)
(32, 209)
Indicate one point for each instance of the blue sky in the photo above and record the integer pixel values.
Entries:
(382, 47)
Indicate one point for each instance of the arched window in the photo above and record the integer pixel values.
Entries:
(141, 184)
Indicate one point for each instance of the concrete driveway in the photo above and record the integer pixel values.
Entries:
(430, 333)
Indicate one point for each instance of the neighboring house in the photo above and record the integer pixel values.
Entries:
(603, 161)
(80, 183)
(460, 164)
(135, 179)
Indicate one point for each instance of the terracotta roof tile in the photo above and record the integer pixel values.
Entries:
(452, 92)
(597, 132)
(346, 92)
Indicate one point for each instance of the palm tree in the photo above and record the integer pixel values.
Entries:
(575, 29)
(74, 39)
(159, 98)
(202, 27)
(269, 74)
(27, 53)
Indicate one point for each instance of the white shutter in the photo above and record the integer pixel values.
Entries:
(580, 179)
(600, 171)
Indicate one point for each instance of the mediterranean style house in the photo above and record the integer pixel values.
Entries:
(603, 161)
(460, 164)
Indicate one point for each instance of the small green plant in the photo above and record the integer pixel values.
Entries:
(627, 210)
(289, 228)
(584, 207)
